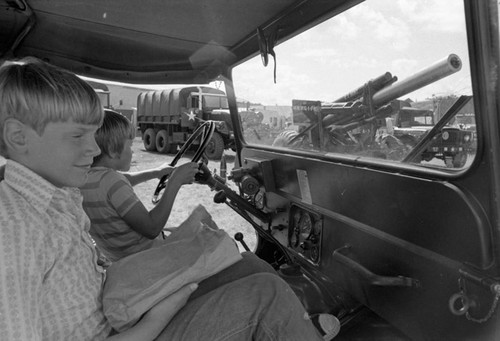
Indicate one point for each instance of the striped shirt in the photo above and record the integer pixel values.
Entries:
(50, 283)
(107, 197)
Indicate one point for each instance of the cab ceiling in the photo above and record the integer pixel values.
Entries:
(152, 41)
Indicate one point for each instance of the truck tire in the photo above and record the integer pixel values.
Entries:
(215, 147)
(283, 139)
(149, 139)
(459, 160)
(162, 144)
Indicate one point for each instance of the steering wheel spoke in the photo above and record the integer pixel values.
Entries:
(205, 133)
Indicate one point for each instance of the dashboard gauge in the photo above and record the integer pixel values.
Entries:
(304, 233)
(317, 227)
(305, 226)
(296, 218)
(294, 233)
(294, 240)
(315, 254)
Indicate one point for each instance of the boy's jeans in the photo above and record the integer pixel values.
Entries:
(246, 301)
(250, 264)
(257, 307)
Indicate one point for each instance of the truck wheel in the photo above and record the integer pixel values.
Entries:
(215, 147)
(149, 139)
(162, 144)
(460, 160)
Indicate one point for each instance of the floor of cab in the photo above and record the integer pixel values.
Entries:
(366, 325)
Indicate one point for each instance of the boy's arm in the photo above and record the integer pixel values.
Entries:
(146, 175)
(151, 223)
(156, 319)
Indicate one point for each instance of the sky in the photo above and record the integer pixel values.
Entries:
(402, 37)
(397, 36)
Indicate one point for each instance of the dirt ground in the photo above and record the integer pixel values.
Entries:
(190, 196)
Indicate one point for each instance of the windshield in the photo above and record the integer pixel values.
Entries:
(215, 102)
(385, 80)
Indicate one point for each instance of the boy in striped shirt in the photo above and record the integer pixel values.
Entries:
(120, 223)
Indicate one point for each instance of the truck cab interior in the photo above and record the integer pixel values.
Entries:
(396, 232)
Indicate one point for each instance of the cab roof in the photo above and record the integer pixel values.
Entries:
(153, 41)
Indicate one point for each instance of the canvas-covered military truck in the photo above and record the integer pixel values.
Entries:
(166, 118)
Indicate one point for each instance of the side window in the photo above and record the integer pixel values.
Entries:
(386, 80)
(194, 101)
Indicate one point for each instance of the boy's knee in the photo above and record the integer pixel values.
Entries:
(269, 289)
(267, 280)
(256, 264)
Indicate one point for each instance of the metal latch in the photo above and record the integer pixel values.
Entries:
(461, 302)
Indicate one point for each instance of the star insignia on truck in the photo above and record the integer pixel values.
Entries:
(191, 115)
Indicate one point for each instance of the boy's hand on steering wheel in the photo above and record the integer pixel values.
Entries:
(203, 174)
(185, 173)
(165, 169)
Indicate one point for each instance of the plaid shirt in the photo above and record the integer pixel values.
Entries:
(50, 283)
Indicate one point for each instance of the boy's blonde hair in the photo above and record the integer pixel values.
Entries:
(114, 131)
(37, 93)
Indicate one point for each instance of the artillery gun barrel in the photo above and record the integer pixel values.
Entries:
(377, 83)
(433, 73)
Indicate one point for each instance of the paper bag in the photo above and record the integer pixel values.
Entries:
(194, 251)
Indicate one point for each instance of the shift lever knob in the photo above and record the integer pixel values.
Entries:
(239, 237)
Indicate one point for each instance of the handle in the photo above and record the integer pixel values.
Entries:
(370, 277)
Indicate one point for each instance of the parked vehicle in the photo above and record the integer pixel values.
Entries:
(103, 91)
(360, 225)
(452, 144)
(166, 118)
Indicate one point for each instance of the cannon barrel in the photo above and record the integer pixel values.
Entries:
(433, 73)
(377, 83)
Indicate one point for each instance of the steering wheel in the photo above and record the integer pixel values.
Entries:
(205, 132)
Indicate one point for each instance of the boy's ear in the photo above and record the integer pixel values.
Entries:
(114, 155)
(14, 134)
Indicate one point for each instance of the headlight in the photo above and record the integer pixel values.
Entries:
(220, 125)
(467, 138)
(446, 135)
